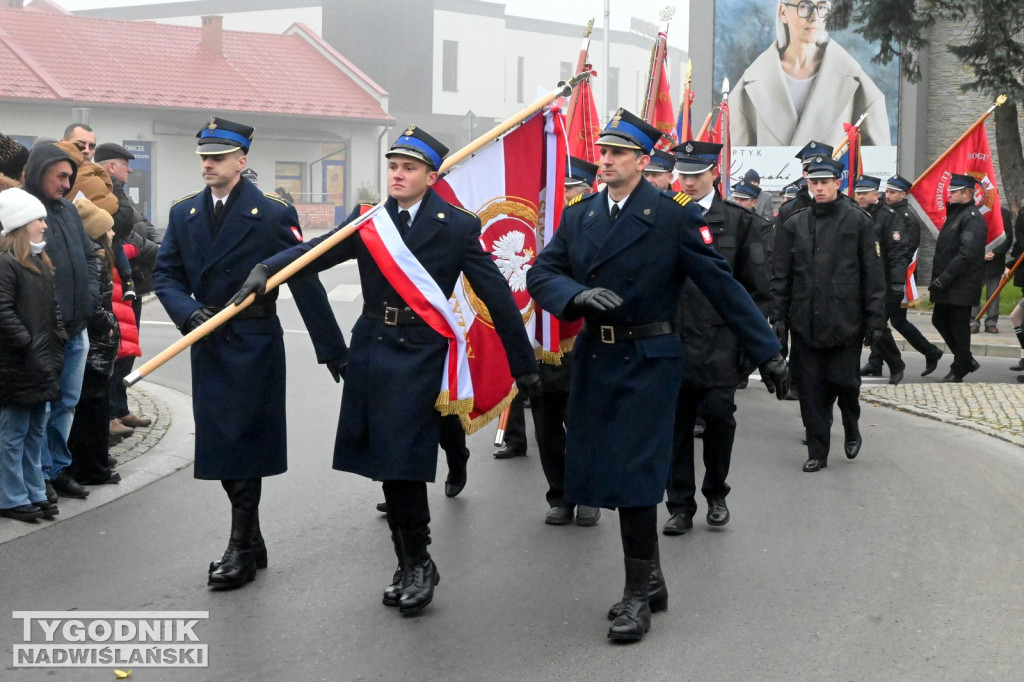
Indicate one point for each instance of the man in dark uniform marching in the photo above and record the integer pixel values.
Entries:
(896, 189)
(957, 273)
(619, 260)
(238, 373)
(895, 259)
(389, 427)
(828, 291)
(713, 365)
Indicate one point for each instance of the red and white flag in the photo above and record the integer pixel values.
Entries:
(970, 156)
(505, 184)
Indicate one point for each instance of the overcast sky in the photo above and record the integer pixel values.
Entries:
(568, 11)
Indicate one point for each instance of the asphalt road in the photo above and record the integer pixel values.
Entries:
(903, 564)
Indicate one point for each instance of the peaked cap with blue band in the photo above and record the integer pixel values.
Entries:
(814, 149)
(417, 144)
(867, 183)
(696, 157)
(581, 172)
(898, 183)
(791, 190)
(744, 190)
(661, 162)
(823, 167)
(221, 136)
(962, 182)
(630, 131)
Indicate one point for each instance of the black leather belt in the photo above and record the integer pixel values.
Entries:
(392, 316)
(611, 334)
(257, 310)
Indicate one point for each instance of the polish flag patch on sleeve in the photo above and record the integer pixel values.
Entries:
(705, 234)
(297, 232)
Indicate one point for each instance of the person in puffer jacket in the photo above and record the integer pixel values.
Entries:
(31, 355)
(88, 442)
(127, 315)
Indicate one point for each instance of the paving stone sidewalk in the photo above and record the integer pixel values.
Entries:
(142, 403)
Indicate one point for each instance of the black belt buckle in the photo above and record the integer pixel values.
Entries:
(607, 334)
(391, 316)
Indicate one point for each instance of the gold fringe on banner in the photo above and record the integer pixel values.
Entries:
(552, 358)
(474, 425)
(446, 407)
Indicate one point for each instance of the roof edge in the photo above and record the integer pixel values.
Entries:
(328, 51)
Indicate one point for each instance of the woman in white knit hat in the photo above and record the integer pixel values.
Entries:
(31, 355)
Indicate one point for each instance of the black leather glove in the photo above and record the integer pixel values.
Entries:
(775, 375)
(873, 336)
(337, 368)
(529, 385)
(255, 283)
(597, 299)
(779, 327)
(198, 317)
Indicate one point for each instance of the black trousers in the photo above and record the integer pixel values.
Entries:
(717, 407)
(828, 375)
(953, 322)
(407, 504)
(90, 430)
(244, 493)
(453, 442)
(515, 431)
(549, 412)
(897, 316)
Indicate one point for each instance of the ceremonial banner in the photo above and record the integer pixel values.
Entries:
(664, 113)
(852, 164)
(505, 185)
(584, 128)
(971, 156)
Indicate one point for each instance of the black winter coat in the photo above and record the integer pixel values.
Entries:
(827, 280)
(32, 336)
(712, 353)
(102, 344)
(894, 244)
(959, 264)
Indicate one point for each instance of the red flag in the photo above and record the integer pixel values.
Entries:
(852, 159)
(970, 155)
(585, 127)
(664, 113)
(506, 185)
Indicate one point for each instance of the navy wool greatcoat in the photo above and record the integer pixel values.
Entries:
(238, 372)
(389, 429)
(623, 397)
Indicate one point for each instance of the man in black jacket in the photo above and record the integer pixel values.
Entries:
(957, 270)
(992, 275)
(828, 291)
(49, 175)
(714, 364)
(895, 259)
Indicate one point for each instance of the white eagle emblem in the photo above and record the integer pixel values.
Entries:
(512, 260)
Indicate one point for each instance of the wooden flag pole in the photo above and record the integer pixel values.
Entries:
(564, 89)
(1002, 283)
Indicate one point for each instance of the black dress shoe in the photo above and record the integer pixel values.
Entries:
(25, 512)
(975, 366)
(68, 487)
(931, 362)
(382, 507)
(812, 465)
(48, 508)
(952, 378)
(870, 371)
(852, 447)
(1019, 367)
(51, 494)
(456, 480)
(506, 451)
(677, 524)
(559, 515)
(896, 377)
(587, 516)
(718, 513)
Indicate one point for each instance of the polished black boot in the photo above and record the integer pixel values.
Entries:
(393, 592)
(657, 592)
(419, 571)
(238, 565)
(635, 619)
(256, 543)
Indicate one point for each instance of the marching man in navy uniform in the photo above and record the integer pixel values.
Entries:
(389, 427)
(214, 237)
(713, 365)
(619, 260)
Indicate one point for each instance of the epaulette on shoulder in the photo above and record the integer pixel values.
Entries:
(466, 210)
(681, 198)
(276, 198)
(186, 197)
(575, 200)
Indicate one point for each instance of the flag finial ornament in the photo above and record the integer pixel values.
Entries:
(667, 13)
(589, 28)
